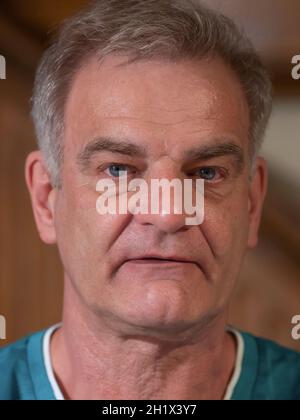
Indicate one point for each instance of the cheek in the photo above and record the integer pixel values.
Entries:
(226, 226)
(226, 230)
(84, 236)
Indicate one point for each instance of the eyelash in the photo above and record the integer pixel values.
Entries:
(223, 173)
(117, 164)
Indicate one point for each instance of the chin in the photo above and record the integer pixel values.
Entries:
(163, 320)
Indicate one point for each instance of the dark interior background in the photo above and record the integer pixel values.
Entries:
(268, 295)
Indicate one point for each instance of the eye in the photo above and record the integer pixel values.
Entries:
(209, 173)
(115, 169)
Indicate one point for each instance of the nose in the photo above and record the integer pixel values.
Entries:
(168, 223)
(166, 209)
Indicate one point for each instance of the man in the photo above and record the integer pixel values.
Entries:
(155, 90)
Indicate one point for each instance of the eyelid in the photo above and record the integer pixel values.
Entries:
(224, 173)
(106, 166)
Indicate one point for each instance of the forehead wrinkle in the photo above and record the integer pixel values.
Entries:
(147, 121)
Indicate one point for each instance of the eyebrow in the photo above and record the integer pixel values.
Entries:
(226, 148)
(109, 144)
(127, 148)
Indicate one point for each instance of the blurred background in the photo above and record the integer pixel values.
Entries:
(31, 286)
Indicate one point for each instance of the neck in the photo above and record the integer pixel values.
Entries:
(96, 358)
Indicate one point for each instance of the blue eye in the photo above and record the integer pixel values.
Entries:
(115, 169)
(208, 173)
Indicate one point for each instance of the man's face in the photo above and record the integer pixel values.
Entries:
(166, 109)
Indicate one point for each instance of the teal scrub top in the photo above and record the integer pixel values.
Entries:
(265, 371)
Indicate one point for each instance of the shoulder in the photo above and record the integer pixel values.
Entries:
(15, 370)
(277, 375)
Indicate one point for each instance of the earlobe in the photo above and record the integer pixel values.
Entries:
(257, 194)
(42, 196)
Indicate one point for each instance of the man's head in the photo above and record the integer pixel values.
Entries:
(161, 89)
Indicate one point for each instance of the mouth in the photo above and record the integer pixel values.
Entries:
(170, 260)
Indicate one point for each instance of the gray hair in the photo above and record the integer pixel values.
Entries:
(142, 29)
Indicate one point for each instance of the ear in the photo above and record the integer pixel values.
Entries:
(42, 196)
(257, 194)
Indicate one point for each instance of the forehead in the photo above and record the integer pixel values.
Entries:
(164, 104)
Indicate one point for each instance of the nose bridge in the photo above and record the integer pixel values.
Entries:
(166, 208)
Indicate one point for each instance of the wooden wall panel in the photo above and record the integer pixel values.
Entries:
(30, 272)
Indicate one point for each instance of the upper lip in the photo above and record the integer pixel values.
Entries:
(177, 258)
